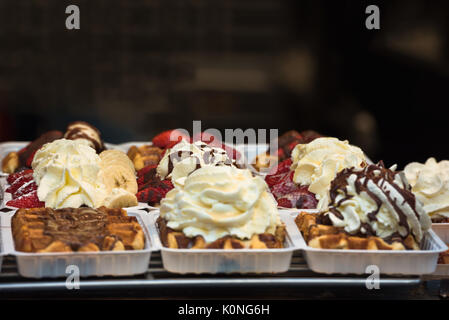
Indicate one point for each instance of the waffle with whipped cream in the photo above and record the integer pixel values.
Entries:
(370, 208)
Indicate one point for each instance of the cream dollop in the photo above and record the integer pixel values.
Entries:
(219, 201)
(430, 184)
(376, 201)
(317, 163)
(184, 158)
(66, 174)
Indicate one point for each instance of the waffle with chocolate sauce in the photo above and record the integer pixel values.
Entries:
(321, 235)
(178, 240)
(145, 155)
(68, 230)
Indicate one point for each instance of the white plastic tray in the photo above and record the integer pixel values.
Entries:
(225, 261)
(114, 263)
(442, 231)
(410, 262)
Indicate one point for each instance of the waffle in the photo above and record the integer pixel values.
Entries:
(177, 240)
(324, 236)
(67, 230)
(145, 155)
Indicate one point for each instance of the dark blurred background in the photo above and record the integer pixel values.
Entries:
(138, 67)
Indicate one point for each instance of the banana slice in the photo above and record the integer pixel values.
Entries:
(118, 176)
(120, 198)
(116, 157)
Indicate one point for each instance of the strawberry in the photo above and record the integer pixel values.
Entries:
(285, 187)
(13, 176)
(284, 202)
(166, 138)
(153, 194)
(206, 138)
(26, 188)
(19, 182)
(291, 146)
(282, 167)
(274, 179)
(29, 200)
(301, 199)
(280, 154)
(142, 172)
(30, 159)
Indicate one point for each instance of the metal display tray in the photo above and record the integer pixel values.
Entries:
(157, 282)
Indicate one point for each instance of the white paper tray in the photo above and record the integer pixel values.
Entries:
(442, 231)
(52, 265)
(224, 261)
(410, 262)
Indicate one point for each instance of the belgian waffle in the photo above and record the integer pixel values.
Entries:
(322, 236)
(82, 229)
(145, 155)
(178, 240)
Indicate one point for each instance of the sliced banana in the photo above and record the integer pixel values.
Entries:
(120, 198)
(116, 157)
(118, 176)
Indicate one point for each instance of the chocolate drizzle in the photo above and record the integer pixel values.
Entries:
(76, 130)
(382, 178)
(209, 157)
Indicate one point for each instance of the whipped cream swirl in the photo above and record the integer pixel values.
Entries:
(66, 174)
(317, 163)
(430, 184)
(218, 201)
(376, 201)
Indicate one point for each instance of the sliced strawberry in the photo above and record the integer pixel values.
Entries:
(281, 154)
(284, 202)
(172, 144)
(282, 167)
(19, 182)
(285, 187)
(29, 200)
(301, 199)
(167, 138)
(26, 188)
(14, 176)
(154, 194)
(274, 179)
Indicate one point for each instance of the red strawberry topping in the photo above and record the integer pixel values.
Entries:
(166, 138)
(19, 182)
(26, 188)
(14, 176)
(29, 200)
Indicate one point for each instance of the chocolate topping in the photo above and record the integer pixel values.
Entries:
(76, 130)
(380, 176)
(209, 157)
